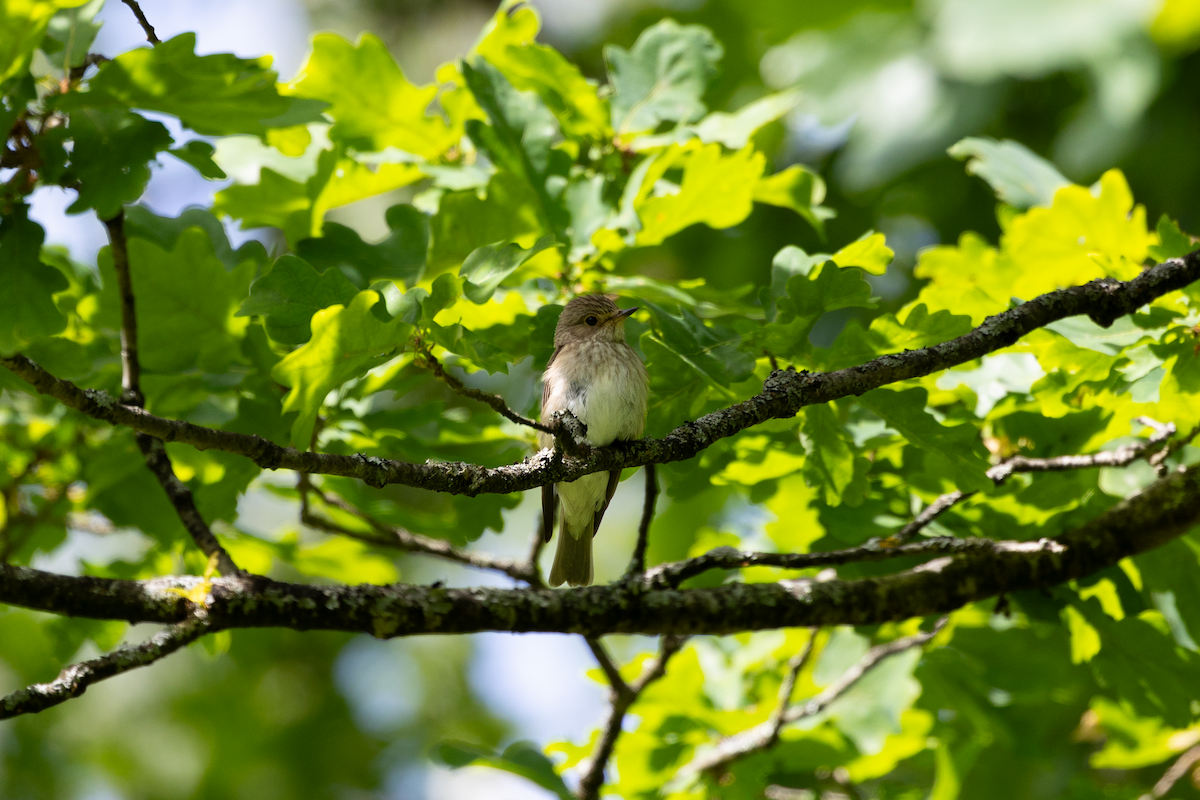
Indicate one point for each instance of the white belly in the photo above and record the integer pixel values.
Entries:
(604, 385)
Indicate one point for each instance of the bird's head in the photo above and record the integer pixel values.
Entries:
(591, 317)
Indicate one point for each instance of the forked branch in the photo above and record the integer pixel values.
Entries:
(1120, 457)
(159, 463)
(621, 697)
(75, 679)
(766, 734)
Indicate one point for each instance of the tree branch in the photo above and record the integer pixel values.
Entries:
(765, 734)
(1120, 457)
(927, 515)
(1162, 511)
(784, 394)
(673, 573)
(637, 563)
(145, 23)
(796, 665)
(394, 536)
(623, 695)
(426, 358)
(152, 448)
(1176, 771)
(75, 679)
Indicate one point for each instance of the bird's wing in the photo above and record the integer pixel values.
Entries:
(549, 496)
(614, 477)
(549, 506)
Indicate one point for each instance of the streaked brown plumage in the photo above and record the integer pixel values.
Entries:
(598, 377)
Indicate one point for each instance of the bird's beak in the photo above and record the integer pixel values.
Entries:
(625, 312)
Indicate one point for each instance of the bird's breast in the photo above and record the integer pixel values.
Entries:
(604, 385)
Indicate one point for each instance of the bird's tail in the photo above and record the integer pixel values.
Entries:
(573, 559)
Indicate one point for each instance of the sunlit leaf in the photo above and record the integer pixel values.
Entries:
(213, 94)
(346, 342)
(373, 105)
(1018, 176)
(35, 315)
(662, 77)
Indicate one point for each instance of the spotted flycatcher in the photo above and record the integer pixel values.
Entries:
(596, 376)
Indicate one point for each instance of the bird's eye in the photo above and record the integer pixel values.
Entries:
(591, 320)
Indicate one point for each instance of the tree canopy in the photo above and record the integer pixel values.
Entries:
(934, 545)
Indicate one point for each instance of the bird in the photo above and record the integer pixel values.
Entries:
(597, 376)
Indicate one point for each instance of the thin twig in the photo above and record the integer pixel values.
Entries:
(426, 358)
(141, 18)
(615, 682)
(928, 515)
(637, 564)
(1176, 771)
(131, 371)
(152, 448)
(182, 499)
(795, 666)
(622, 697)
(75, 679)
(1159, 459)
(766, 733)
(1119, 457)
(397, 537)
(675, 572)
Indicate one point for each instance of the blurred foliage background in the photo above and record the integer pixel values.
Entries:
(885, 88)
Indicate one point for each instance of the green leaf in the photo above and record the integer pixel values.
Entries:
(521, 758)
(487, 267)
(214, 94)
(465, 222)
(142, 223)
(275, 201)
(662, 78)
(799, 189)
(346, 342)
(734, 130)
(830, 462)
(198, 154)
(1124, 332)
(508, 44)
(869, 253)
(887, 334)
(1173, 243)
(809, 296)
(30, 313)
(589, 212)
(373, 105)
(717, 190)
(110, 158)
(401, 256)
(959, 445)
(519, 137)
(711, 351)
(1132, 741)
(185, 303)
(290, 293)
(71, 32)
(1019, 176)
(23, 23)
(1084, 235)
